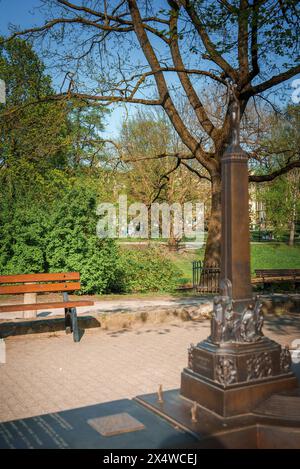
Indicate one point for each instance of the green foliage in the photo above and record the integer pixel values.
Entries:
(146, 270)
(30, 130)
(281, 202)
(72, 244)
(281, 197)
(21, 233)
(60, 236)
(63, 238)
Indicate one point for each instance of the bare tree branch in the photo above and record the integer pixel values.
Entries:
(179, 156)
(79, 20)
(275, 80)
(209, 45)
(185, 81)
(193, 170)
(275, 174)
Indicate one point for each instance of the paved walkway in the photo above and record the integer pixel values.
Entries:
(128, 305)
(46, 374)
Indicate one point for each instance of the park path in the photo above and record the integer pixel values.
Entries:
(127, 305)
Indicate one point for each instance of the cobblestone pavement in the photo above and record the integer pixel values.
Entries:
(45, 373)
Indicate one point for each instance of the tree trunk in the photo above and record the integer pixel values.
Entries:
(212, 256)
(292, 226)
(173, 241)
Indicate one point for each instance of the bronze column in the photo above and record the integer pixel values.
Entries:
(235, 247)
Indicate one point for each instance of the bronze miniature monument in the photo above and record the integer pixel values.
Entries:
(237, 366)
(236, 369)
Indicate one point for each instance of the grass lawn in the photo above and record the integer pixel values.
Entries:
(263, 256)
(274, 256)
(183, 262)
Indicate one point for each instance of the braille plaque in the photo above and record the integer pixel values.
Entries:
(115, 424)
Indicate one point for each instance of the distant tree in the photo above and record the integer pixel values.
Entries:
(38, 134)
(282, 195)
(85, 127)
(155, 168)
(49, 134)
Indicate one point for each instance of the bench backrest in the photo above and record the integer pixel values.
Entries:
(36, 283)
(277, 272)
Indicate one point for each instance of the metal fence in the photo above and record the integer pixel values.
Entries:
(205, 279)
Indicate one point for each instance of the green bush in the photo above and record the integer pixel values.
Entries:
(22, 240)
(145, 270)
(57, 237)
(72, 244)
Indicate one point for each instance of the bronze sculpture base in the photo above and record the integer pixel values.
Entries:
(236, 399)
(233, 378)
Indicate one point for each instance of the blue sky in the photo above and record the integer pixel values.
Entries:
(24, 13)
(17, 12)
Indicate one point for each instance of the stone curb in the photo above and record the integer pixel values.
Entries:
(280, 304)
(106, 320)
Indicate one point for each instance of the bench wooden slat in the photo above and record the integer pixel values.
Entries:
(276, 275)
(52, 277)
(274, 279)
(46, 306)
(277, 272)
(36, 288)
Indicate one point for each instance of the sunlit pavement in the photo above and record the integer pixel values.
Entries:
(45, 373)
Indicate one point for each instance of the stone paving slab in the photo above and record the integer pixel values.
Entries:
(51, 373)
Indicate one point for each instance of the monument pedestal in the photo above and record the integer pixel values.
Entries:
(236, 367)
(275, 423)
(232, 379)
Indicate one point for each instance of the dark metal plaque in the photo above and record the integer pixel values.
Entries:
(115, 424)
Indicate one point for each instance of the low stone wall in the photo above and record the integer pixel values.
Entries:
(280, 304)
(106, 321)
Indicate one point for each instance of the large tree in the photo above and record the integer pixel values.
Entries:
(141, 52)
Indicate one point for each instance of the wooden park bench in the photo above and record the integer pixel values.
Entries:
(276, 275)
(42, 283)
